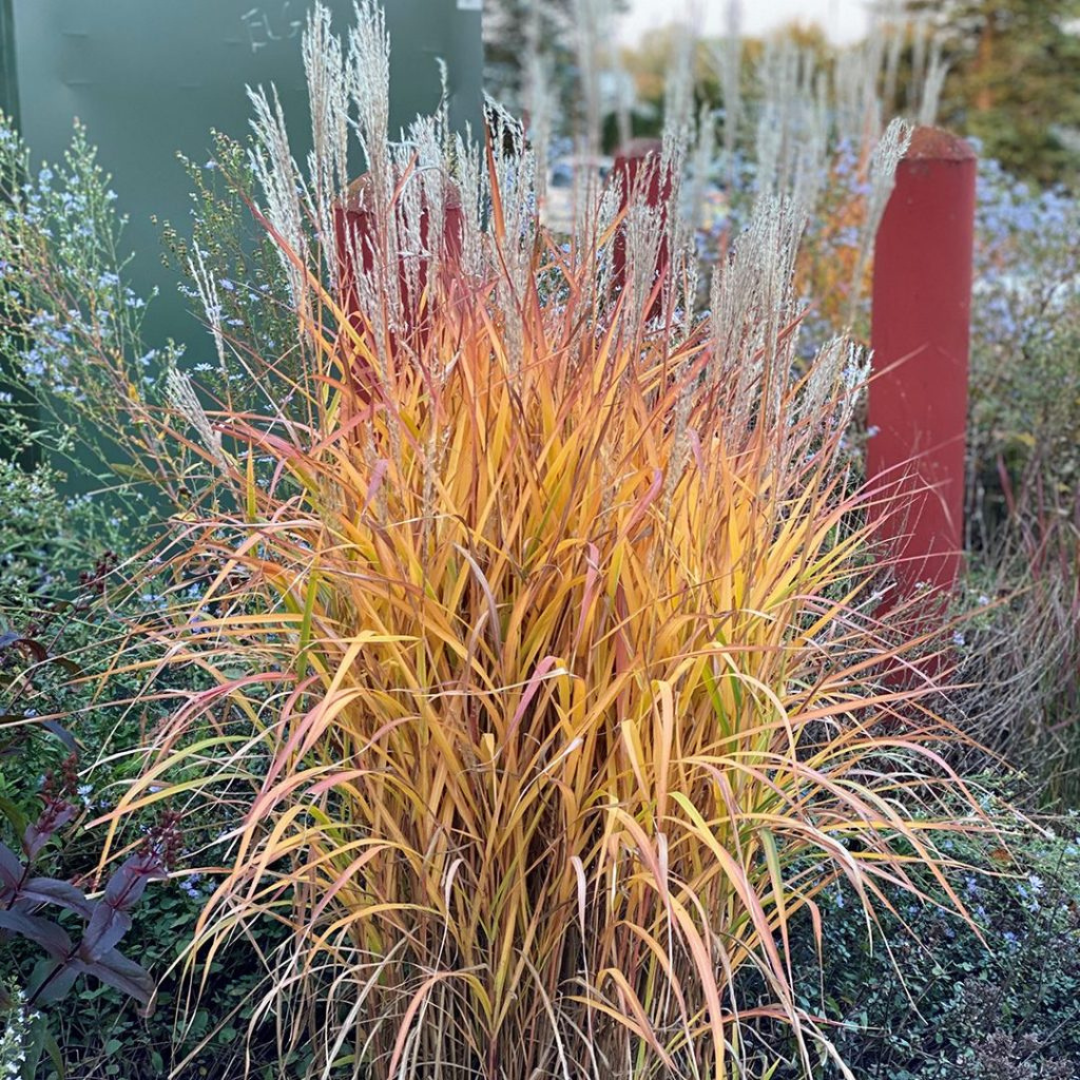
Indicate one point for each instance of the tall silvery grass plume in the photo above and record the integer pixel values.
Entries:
(808, 130)
(539, 611)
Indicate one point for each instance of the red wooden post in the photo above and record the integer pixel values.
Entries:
(354, 228)
(630, 160)
(355, 224)
(920, 337)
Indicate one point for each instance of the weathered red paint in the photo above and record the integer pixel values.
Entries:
(355, 232)
(628, 162)
(657, 185)
(920, 337)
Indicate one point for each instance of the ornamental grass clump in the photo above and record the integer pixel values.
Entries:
(539, 612)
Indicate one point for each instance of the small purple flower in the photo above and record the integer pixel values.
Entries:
(190, 885)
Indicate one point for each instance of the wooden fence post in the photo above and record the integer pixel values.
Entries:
(355, 227)
(654, 190)
(921, 336)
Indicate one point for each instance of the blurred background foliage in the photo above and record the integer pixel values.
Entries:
(1014, 81)
(1013, 77)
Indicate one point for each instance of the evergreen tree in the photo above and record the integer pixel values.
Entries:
(1014, 80)
(514, 28)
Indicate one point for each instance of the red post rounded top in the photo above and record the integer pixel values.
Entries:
(635, 155)
(636, 149)
(936, 144)
(357, 198)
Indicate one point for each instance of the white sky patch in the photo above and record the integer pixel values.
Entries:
(844, 20)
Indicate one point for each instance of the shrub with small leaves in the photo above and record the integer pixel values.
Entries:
(1025, 379)
(17, 1021)
(64, 605)
(70, 328)
(943, 1003)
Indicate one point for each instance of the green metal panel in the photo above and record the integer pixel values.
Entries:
(9, 105)
(151, 77)
(9, 87)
